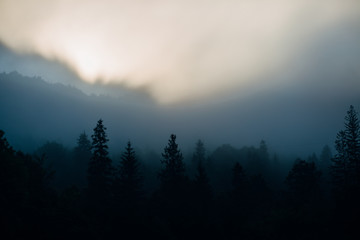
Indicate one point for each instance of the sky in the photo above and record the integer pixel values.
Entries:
(183, 52)
(224, 71)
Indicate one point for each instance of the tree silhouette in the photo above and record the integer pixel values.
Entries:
(129, 180)
(352, 138)
(173, 198)
(346, 162)
(99, 170)
(172, 176)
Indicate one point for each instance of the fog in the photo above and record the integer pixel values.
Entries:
(297, 122)
(234, 72)
(184, 51)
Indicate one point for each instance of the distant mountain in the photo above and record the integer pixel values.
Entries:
(299, 122)
(33, 110)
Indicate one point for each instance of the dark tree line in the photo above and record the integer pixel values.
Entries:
(319, 197)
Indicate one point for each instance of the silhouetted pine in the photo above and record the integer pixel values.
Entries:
(346, 162)
(352, 138)
(345, 170)
(172, 176)
(100, 169)
(129, 179)
(173, 198)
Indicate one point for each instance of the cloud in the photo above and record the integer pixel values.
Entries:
(177, 50)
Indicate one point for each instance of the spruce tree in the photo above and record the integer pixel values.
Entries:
(172, 176)
(129, 180)
(173, 197)
(99, 169)
(345, 170)
(346, 162)
(352, 138)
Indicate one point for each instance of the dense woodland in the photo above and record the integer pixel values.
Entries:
(228, 193)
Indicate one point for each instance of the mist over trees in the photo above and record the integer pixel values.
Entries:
(234, 193)
(37, 111)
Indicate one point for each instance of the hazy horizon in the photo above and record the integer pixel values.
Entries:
(228, 73)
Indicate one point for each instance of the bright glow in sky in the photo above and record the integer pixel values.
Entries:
(178, 50)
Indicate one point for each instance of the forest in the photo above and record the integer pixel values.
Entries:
(228, 193)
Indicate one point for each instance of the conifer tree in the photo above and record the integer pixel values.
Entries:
(129, 179)
(172, 176)
(346, 162)
(99, 169)
(352, 138)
